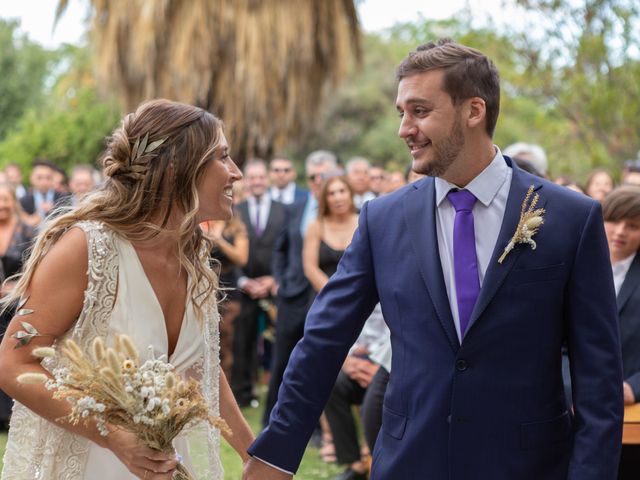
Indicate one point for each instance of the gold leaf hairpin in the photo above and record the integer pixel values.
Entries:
(140, 154)
(530, 221)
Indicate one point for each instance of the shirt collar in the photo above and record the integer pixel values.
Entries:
(286, 189)
(484, 187)
(624, 264)
(264, 200)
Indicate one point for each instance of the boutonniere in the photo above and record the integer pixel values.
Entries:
(530, 221)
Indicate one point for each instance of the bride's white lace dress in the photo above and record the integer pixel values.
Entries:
(118, 299)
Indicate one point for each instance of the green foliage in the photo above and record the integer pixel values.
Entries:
(588, 69)
(574, 89)
(24, 67)
(68, 134)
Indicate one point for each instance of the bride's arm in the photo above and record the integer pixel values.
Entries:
(56, 294)
(241, 436)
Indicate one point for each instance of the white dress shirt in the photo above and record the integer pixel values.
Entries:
(360, 199)
(309, 214)
(264, 205)
(620, 270)
(491, 188)
(287, 195)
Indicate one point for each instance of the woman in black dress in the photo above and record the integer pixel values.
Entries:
(330, 234)
(15, 239)
(231, 250)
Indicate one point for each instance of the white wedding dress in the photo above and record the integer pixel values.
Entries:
(138, 314)
(119, 299)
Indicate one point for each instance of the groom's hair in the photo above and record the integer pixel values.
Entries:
(623, 203)
(468, 73)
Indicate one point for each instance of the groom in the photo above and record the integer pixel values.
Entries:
(476, 389)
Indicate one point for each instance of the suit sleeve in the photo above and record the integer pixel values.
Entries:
(595, 358)
(333, 324)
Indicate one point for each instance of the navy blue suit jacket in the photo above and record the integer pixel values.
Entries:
(492, 407)
(300, 194)
(287, 254)
(629, 315)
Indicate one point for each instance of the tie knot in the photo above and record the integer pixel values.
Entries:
(462, 200)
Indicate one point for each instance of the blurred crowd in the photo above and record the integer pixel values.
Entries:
(282, 246)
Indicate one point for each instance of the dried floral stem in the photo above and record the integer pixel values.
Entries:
(530, 221)
(112, 388)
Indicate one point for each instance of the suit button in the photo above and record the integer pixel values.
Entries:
(461, 365)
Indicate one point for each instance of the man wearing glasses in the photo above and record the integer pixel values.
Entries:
(295, 294)
(283, 181)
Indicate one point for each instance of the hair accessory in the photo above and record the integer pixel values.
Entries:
(141, 154)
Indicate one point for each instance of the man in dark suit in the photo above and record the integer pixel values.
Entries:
(479, 296)
(621, 210)
(263, 218)
(295, 294)
(283, 182)
(41, 198)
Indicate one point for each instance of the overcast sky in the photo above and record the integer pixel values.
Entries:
(37, 16)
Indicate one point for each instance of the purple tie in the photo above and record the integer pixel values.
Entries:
(465, 262)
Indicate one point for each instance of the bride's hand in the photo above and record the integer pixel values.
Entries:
(142, 461)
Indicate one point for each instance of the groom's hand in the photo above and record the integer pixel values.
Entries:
(254, 469)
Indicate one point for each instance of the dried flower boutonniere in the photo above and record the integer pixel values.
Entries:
(530, 221)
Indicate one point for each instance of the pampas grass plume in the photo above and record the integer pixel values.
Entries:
(170, 380)
(43, 352)
(73, 351)
(32, 378)
(110, 374)
(129, 348)
(113, 361)
(98, 349)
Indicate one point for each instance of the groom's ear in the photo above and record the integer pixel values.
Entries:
(475, 112)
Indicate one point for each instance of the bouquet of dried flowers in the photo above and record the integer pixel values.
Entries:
(112, 387)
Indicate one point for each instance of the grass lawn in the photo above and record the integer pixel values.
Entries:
(312, 467)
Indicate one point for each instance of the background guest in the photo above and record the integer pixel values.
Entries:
(231, 250)
(294, 292)
(14, 176)
(264, 219)
(42, 197)
(15, 239)
(631, 172)
(395, 180)
(331, 233)
(81, 182)
(377, 177)
(358, 177)
(621, 210)
(599, 184)
(411, 175)
(354, 386)
(60, 180)
(531, 156)
(283, 181)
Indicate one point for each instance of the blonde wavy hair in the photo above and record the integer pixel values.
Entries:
(153, 164)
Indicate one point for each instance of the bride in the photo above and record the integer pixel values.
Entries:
(129, 259)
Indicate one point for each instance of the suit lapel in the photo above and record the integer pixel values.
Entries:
(246, 218)
(497, 272)
(420, 219)
(631, 282)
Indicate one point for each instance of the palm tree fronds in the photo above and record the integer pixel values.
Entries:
(263, 66)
